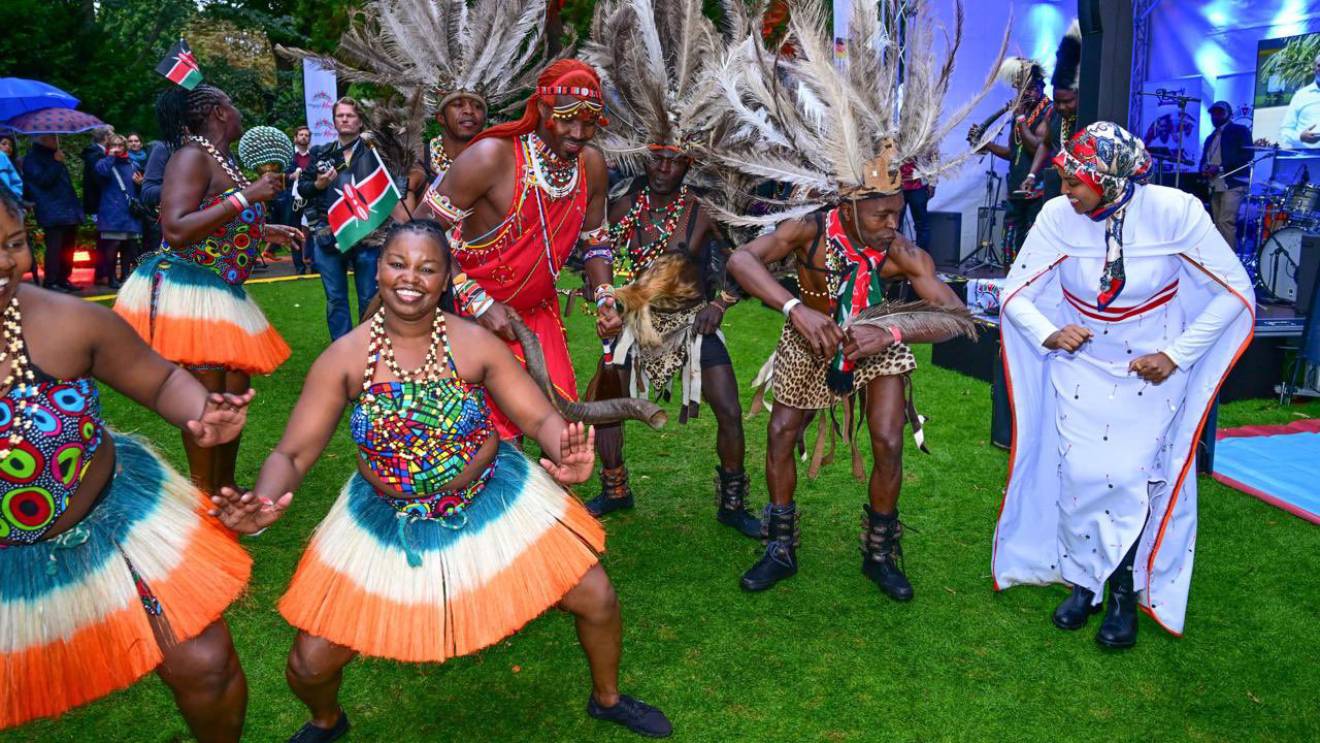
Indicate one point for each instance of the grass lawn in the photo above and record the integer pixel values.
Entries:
(821, 657)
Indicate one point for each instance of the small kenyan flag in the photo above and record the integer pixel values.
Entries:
(366, 197)
(180, 66)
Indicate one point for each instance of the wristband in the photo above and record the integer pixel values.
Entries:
(898, 334)
(729, 299)
(1032, 176)
(789, 305)
(234, 202)
(256, 533)
(242, 200)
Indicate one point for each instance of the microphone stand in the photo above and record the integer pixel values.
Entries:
(1165, 97)
(985, 243)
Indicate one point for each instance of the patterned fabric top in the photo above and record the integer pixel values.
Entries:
(232, 248)
(51, 430)
(416, 437)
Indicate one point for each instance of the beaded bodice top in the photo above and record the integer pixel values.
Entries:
(417, 434)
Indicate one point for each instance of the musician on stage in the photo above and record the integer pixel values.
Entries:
(1063, 119)
(1031, 118)
(1222, 163)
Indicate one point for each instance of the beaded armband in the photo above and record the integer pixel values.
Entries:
(445, 208)
(597, 244)
(469, 295)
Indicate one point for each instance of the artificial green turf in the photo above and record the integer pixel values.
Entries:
(821, 657)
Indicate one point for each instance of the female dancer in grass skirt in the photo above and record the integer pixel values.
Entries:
(445, 540)
(109, 566)
(187, 300)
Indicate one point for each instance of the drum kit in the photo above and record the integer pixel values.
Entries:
(1272, 220)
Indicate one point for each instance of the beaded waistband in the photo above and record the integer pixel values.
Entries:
(446, 506)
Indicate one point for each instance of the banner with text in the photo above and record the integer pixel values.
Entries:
(319, 96)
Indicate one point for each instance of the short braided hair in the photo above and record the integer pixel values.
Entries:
(180, 112)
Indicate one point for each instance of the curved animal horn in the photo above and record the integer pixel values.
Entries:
(593, 413)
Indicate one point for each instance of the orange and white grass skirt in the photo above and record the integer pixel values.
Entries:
(393, 585)
(76, 611)
(189, 315)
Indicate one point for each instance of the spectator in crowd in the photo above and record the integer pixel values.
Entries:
(287, 207)
(916, 194)
(314, 184)
(136, 152)
(9, 165)
(91, 155)
(158, 155)
(118, 229)
(58, 212)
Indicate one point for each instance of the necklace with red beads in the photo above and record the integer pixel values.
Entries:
(665, 225)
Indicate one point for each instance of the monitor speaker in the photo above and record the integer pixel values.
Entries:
(945, 238)
(1307, 269)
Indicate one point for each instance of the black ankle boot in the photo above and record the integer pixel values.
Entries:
(1076, 609)
(614, 495)
(882, 550)
(780, 558)
(1119, 629)
(731, 502)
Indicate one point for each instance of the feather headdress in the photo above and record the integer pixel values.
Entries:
(1068, 60)
(443, 49)
(841, 129)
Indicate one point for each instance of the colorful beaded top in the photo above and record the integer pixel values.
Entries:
(417, 434)
(50, 430)
(231, 250)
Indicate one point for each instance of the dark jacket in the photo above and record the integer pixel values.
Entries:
(154, 175)
(48, 185)
(1233, 152)
(113, 215)
(91, 155)
(318, 201)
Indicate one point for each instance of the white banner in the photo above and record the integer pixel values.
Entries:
(319, 96)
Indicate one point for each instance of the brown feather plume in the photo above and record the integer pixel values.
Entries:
(921, 317)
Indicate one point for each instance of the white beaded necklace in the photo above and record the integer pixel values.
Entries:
(227, 163)
(20, 378)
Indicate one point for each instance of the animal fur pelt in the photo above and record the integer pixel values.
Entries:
(670, 283)
(911, 318)
(1068, 60)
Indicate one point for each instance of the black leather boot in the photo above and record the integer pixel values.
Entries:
(1119, 629)
(780, 558)
(1076, 609)
(614, 495)
(882, 550)
(731, 502)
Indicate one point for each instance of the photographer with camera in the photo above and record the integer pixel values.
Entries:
(315, 187)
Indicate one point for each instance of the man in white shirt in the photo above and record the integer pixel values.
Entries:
(1301, 123)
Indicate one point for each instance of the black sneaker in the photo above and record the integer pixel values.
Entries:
(637, 716)
(310, 733)
(603, 504)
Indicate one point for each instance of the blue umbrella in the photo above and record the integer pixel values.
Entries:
(19, 96)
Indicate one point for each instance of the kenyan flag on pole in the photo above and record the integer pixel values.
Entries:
(180, 66)
(366, 197)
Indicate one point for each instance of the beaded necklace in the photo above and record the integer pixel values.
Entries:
(622, 232)
(440, 160)
(555, 176)
(382, 347)
(226, 161)
(20, 381)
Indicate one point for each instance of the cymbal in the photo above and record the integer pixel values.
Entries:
(1280, 150)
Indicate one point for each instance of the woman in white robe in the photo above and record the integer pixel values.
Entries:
(1120, 320)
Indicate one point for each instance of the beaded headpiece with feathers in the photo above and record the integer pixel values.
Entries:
(443, 49)
(840, 130)
(653, 58)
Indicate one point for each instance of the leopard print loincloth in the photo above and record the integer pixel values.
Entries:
(660, 363)
(799, 374)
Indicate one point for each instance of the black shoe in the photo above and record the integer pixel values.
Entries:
(731, 500)
(310, 733)
(615, 495)
(882, 550)
(634, 714)
(780, 558)
(1119, 628)
(1076, 609)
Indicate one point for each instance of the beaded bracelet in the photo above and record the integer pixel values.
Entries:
(242, 200)
(234, 202)
(599, 235)
(445, 208)
(603, 252)
(728, 298)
